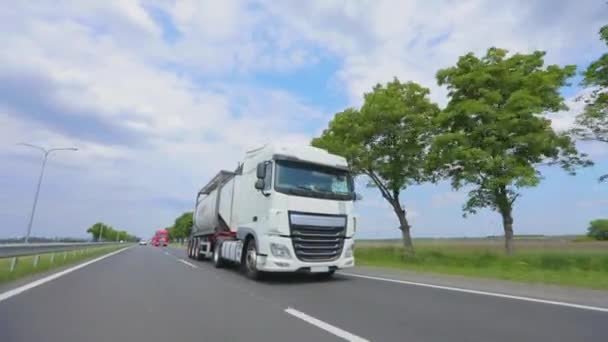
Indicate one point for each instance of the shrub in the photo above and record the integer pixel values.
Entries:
(598, 229)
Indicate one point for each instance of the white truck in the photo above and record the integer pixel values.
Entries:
(284, 209)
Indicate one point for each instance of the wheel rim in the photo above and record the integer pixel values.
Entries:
(251, 258)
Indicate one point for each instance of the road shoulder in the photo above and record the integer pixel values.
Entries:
(539, 291)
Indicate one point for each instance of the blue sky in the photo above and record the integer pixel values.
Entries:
(159, 95)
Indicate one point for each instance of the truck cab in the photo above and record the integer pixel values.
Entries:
(301, 208)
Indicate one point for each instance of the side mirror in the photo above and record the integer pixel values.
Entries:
(358, 196)
(261, 171)
(259, 184)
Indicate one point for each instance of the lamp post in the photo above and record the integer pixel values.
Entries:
(46, 155)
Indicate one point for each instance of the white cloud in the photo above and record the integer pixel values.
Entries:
(157, 105)
(413, 39)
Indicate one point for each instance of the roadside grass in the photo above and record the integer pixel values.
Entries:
(25, 265)
(568, 265)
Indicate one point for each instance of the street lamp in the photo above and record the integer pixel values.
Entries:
(46, 154)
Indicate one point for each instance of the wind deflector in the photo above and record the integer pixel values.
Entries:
(218, 180)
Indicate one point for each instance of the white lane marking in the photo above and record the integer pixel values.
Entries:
(167, 253)
(11, 293)
(325, 326)
(484, 293)
(187, 263)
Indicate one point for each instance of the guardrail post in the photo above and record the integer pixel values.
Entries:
(52, 257)
(36, 258)
(13, 264)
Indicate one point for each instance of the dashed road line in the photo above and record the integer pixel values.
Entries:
(187, 263)
(325, 326)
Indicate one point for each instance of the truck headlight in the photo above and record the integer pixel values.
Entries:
(349, 250)
(280, 251)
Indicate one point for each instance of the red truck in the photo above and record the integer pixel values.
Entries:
(161, 238)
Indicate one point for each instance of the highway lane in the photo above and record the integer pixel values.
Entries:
(147, 294)
(144, 295)
(382, 311)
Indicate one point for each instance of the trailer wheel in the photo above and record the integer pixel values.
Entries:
(189, 249)
(218, 262)
(250, 261)
(197, 249)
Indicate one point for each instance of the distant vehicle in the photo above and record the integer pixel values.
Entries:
(284, 209)
(122, 241)
(161, 238)
(143, 242)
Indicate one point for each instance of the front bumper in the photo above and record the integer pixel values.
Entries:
(270, 263)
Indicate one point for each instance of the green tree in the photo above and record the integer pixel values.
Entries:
(107, 232)
(493, 136)
(598, 229)
(592, 123)
(386, 140)
(181, 227)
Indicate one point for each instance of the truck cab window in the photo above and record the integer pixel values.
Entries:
(302, 179)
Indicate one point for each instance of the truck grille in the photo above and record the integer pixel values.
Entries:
(317, 237)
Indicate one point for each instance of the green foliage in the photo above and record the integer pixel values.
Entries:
(386, 139)
(585, 268)
(593, 121)
(598, 229)
(181, 227)
(108, 233)
(493, 135)
(583, 238)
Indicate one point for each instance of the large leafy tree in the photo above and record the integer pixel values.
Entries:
(598, 229)
(593, 121)
(182, 226)
(103, 232)
(494, 137)
(386, 140)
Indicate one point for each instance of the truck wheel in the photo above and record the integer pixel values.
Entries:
(189, 250)
(250, 262)
(218, 262)
(197, 249)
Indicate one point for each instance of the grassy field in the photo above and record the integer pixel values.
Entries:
(25, 265)
(559, 261)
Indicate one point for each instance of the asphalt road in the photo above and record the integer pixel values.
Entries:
(147, 294)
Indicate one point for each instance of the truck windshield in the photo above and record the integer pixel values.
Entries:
(311, 180)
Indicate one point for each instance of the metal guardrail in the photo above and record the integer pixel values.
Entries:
(25, 249)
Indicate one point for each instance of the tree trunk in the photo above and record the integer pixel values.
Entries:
(507, 225)
(405, 227)
(504, 203)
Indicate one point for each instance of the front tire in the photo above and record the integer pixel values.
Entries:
(250, 261)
